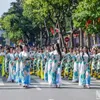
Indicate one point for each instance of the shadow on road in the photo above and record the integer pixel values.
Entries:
(43, 87)
(14, 86)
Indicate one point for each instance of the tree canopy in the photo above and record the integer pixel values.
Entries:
(32, 20)
(87, 16)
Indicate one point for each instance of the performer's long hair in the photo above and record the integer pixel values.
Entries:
(58, 50)
(21, 48)
(87, 52)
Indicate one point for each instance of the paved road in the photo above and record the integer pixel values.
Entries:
(39, 90)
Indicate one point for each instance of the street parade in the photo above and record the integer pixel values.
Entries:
(49, 49)
(19, 63)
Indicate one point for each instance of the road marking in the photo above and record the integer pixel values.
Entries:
(1, 82)
(38, 82)
(12, 87)
(95, 81)
(12, 84)
(51, 99)
(39, 89)
(65, 82)
(44, 83)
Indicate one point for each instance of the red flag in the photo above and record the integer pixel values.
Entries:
(52, 31)
(57, 30)
(88, 23)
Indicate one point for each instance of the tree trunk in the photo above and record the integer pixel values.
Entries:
(94, 35)
(60, 42)
(94, 39)
(88, 41)
(48, 42)
(59, 34)
(63, 30)
(81, 38)
(72, 42)
(61, 39)
(40, 36)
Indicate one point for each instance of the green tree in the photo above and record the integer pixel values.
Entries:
(16, 25)
(49, 13)
(87, 16)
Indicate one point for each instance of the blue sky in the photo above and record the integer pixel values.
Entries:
(4, 5)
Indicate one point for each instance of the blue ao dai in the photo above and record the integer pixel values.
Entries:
(12, 67)
(75, 67)
(84, 70)
(17, 67)
(56, 69)
(25, 69)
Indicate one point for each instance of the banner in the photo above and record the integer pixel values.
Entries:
(2, 63)
(3, 66)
